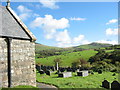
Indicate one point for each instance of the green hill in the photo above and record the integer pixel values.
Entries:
(40, 47)
(67, 58)
(47, 54)
(93, 46)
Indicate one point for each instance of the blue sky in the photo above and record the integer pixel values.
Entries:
(66, 24)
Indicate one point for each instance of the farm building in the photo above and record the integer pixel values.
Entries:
(17, 50)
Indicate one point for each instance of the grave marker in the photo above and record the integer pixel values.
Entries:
(65, 74)
(115, 84)
(106, 84)
(82, 73)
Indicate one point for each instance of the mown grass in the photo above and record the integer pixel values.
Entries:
(91, 81)
(68, 58)
(24, 86)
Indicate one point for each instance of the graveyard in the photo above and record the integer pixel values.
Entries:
(67, 76)
(91, 81)
(74, 59)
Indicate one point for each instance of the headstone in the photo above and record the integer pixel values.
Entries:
(106, 84)
(82, 73)
(62, 69)
(65, 74)
(99, 71)
(48, 72)
(53, 68)
(78, 70)
(38, 67)
(113, 74)
(57, 67)
(73, 69)
(41, 72)
(115, 85)
(69, 69)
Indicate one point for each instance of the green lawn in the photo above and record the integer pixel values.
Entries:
(67, 58)
(91, 81)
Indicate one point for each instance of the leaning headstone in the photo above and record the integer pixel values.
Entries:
(115, 85)
(82, 73)
(65, 74)
(106, 84)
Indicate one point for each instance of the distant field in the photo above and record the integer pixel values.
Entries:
(40, 47)
(91, 81)
(67, 58)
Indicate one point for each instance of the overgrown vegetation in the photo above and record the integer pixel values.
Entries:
(106, 61)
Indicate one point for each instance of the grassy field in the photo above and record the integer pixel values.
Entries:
(40, 47)
(67, 58)
(91, 81)
(24, 86)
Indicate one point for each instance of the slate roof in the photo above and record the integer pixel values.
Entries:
(12, 26)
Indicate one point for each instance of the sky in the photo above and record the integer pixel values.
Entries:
(67, 24)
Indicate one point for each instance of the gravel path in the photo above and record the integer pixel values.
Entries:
(43, 86)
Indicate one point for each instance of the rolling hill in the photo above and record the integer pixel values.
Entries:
(93, 46)
(40, 47)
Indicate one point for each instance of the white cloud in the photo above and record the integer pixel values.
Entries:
(49, 4)
(24, 16)
(108, 41)
(78, 39)
(112, 21)
(77, 19)
(111, 31)
(63, 37)
(50, 25)
(66, 41)
(51, 28)
(24, 12)
(36, 15)
(23, 9)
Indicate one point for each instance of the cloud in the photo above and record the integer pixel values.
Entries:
(25, 13)
(49, 4)
(56, 29)
(64, 40)
(23, 9)
(50, 25)
(77, 19)
(108, 41)
(78, 39)
(112, 21)
(63, 37)
(111, 31)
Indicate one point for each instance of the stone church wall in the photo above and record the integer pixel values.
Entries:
(22, 62)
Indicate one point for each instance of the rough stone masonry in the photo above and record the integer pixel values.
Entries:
(21, 50)
(22, 64)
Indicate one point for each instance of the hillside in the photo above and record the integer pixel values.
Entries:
(93, 46)
(40, 47)
(67, 58)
